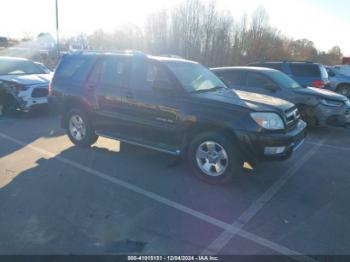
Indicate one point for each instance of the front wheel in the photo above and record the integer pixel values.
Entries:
(79, 129)
(214, 158)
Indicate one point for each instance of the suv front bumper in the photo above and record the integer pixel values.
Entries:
(272, 146)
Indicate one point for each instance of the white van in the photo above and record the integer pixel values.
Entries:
(343, 69)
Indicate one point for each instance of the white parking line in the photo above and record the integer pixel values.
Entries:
(210, 220)
(224, 238)
(329, 146)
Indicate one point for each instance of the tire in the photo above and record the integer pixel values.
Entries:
(202, 160)
(309, 117)
(9, 105)
(344, 90)
(79, 128)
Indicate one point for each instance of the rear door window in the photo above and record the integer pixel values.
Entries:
(114, 71)
(305, 70)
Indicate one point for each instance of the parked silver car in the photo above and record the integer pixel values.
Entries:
(340, 83)
(23, 84)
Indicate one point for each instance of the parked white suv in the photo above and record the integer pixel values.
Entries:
(23, 84)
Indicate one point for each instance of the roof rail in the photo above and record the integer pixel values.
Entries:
(283, 61)
(83, 51)
(171, 56)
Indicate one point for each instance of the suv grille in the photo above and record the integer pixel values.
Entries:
(40, 92)
(292, 117)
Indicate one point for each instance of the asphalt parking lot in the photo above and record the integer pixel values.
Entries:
(116, 198)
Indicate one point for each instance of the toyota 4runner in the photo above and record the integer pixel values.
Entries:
(174, 106)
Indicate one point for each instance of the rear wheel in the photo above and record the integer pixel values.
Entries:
(79, 128)
(344, 90)
(214, 158)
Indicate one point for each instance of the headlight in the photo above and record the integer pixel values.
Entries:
(327, 102)
(270, 121)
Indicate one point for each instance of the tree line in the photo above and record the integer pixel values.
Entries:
(202, 32)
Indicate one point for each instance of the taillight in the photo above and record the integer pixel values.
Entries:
(318, 83)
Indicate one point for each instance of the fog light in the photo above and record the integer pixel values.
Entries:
(274, 150)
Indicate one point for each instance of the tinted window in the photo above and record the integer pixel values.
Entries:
(258, 80)
(231, 78)
(73, 67)
(113, 71)
(305, 70)
(277, 66)
(19, 67)
(283, 80)
(153, 72)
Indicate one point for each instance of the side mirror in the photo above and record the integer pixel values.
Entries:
(271, 87)
(163, 87)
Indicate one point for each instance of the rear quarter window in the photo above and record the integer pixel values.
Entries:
(305, 70)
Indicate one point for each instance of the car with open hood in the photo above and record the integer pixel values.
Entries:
(318, 107)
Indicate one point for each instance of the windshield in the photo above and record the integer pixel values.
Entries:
(195, 77)
(19, 67)
(283, 80)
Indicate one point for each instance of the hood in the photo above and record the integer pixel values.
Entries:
(253, 101)
(320, 93)
(28, 80)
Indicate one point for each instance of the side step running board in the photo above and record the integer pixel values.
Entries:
(136, 143)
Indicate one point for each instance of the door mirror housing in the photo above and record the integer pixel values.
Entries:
(163, 87)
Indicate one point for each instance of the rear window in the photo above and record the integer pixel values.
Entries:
(73, 67)
(305, 70)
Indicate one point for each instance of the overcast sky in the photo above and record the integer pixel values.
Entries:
(325, 22)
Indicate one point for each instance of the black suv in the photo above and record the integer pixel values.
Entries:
(174, 106)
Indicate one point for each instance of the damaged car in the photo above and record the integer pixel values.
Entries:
(318, 107)
(23, 84)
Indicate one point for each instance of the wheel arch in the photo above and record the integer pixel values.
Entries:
(205, 127)
(71, 103)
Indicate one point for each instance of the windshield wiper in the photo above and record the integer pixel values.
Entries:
(208, 90)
